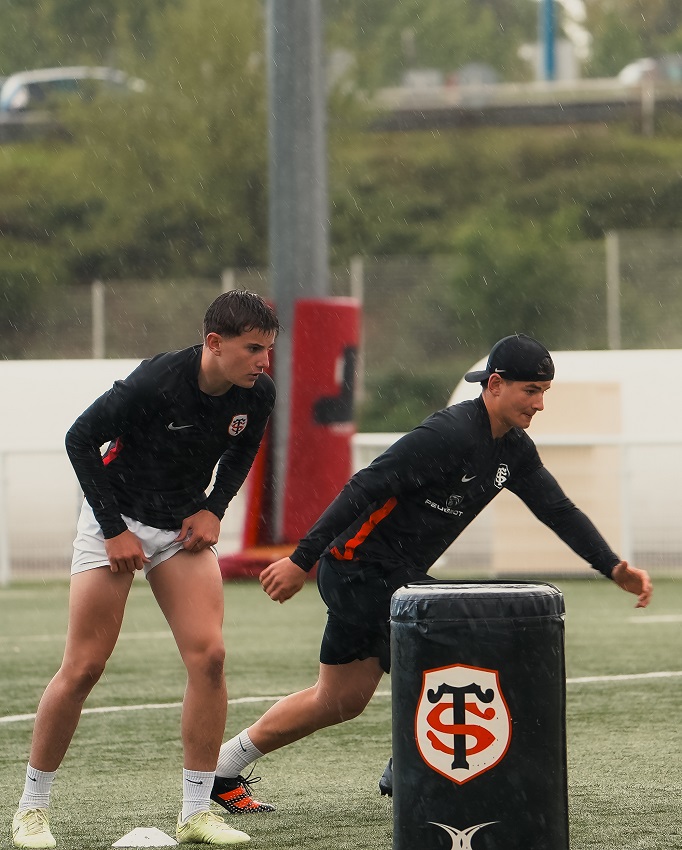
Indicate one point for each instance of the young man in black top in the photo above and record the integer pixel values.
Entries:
(393, 520)
(169, 424)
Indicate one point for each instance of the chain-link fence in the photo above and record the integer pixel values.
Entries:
(409, 308)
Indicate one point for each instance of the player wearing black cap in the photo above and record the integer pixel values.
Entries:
(394, 518)
(516, 358)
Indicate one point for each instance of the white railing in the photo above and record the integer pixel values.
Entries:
(538, 92)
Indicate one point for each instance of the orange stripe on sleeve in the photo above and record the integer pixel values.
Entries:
(364, 531)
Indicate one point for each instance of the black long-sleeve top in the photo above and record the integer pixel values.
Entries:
(415, 499)
(165, 439)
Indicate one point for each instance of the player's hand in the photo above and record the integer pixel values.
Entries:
(199, 531)
(282, 579)
(125, 553)
(634, 581)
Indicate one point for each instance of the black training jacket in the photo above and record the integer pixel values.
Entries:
(165, 438)
(407, 507)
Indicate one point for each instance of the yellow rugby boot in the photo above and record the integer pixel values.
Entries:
(31, 830)
(207, 828)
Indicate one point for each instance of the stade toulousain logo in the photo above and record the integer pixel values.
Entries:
(462, 722)
(501, 476)
(237, 424)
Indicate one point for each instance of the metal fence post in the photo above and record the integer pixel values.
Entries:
(613, 290)
(5, 570)
(357, 290)
(648, 103)
(98, 327)
(228, 280)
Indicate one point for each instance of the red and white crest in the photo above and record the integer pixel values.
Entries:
(462, 722)
(237, 424)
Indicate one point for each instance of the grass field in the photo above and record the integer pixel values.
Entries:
(124, 767)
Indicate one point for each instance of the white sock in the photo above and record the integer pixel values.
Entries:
(36, 789)
(196, 792)
(236, 754)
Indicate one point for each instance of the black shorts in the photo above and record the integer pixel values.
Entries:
(358, 599)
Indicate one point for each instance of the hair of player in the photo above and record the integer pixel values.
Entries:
(239, 311)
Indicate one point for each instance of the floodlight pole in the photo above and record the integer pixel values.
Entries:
(298, 206)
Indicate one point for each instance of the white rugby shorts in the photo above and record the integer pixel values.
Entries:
(89, 551)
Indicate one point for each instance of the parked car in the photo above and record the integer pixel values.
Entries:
(40, 88)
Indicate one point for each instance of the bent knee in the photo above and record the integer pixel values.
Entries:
(209, 663)
(80, 678)
(353, 710)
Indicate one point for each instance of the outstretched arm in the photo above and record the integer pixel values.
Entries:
(633, 580)
(543, 495)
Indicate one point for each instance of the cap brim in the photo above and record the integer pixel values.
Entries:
(477, 377)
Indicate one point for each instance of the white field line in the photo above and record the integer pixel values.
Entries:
(18, 639)
(656, 618)
(624, 677)
(111, 709)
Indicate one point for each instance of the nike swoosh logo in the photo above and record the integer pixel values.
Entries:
(201, 782)
(466, 478)
(32, 778)
(173, 427)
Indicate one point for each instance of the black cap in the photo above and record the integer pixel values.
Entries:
(516, 358)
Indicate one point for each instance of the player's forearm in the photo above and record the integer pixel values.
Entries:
(578, 532)
(100, 497)
(545, 498)
(83, 451)
(340, 515)
(233, 468)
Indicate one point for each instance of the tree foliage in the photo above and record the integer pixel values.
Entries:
(173, 182)
(625, 30)
(170, 181)
(43, 33)
(192, 149)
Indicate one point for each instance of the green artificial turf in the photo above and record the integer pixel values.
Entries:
(123, 769)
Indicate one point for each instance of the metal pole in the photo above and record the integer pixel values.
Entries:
(298, 208)
(98, 327)
(228, 280)
(626, 521)
(357, 290)
(613, 322)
